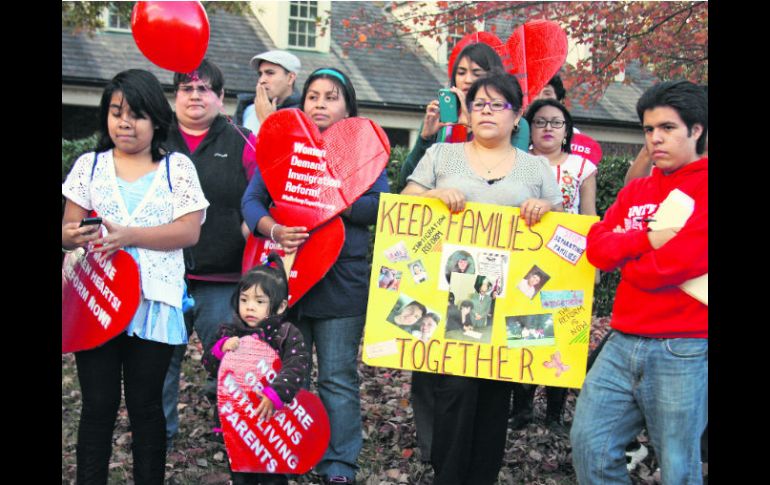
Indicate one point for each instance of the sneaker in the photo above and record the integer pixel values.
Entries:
(337, 479)
(635, 456)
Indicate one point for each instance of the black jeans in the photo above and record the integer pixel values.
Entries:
(469, 429)
(141, 365)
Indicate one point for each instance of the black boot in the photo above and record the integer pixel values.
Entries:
(93, 464)
(555, 399)
(149, 463)
(523, 409)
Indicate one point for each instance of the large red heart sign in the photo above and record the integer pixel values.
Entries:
(534, 53)
(313, 260)
(99, 297)
(313, 177)
(292, 441)
(538, 50)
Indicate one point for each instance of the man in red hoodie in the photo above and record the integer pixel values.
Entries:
(653, 369)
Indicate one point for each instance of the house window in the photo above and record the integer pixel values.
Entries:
(457, 30)
(302, 24)
(115, 20)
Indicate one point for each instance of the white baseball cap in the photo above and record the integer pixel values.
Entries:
(288, 61)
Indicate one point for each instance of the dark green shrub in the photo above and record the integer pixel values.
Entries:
(72, 149)
(609, 181)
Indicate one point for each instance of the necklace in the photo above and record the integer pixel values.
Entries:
(487, 167)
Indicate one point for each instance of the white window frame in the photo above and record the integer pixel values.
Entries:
(307, 21)
(108, 28)
(447, 48)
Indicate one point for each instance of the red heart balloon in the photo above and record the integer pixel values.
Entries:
(586, 147)
(538, 50)
(99, 297)
(312, 177)
(313, 259)
(172, 35)
(292, 441)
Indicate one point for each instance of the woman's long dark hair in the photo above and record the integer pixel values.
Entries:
(144, 95)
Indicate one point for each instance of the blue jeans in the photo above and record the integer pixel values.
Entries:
(212, 309)
(337, 341)
(637, 380)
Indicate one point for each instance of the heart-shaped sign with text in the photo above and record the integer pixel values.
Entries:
(587, 147)
(292, 441)
(312, 177)
(99, 297)
(534, 53)
(313, 259)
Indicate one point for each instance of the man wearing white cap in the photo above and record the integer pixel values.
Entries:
(277, 73)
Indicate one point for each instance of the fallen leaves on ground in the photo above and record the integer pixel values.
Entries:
(534, 455)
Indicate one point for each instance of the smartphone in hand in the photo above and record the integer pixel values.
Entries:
(447, 104)
(91, 221)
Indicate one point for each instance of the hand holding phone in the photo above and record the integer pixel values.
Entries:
(447, 103)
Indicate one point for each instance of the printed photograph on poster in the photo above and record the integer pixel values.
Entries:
(397, 253)
(533, 282)
(471, 308)
(455, 259)
(530, 330)
(493, 265)
(418, 271)
(389, 279)
(413, 317)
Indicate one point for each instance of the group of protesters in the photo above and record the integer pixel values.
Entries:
(181, 192)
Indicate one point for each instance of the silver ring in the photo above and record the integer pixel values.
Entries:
(537, 207)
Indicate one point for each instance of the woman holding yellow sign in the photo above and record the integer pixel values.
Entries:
(471, 414)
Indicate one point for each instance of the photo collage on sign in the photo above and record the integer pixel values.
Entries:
(408, 314)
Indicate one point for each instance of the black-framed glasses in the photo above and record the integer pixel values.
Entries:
(541, 122)
(202, 89)
(496, 105)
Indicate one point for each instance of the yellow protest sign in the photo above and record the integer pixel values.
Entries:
(478, 293)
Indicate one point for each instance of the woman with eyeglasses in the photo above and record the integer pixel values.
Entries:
(473, 62)
(552, 128)
(471, 415)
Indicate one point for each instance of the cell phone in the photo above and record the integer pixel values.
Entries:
(91, 221)
(447, 105)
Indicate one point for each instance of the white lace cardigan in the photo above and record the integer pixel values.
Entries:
(162, 272)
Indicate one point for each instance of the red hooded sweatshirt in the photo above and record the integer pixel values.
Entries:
(648, 301)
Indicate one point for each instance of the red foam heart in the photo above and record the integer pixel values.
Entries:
(587, 147)
(313, 259)
(538, 50)
(292, 441)
(534, 53)
(99, 297)
(491, 40)
(349, 157)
